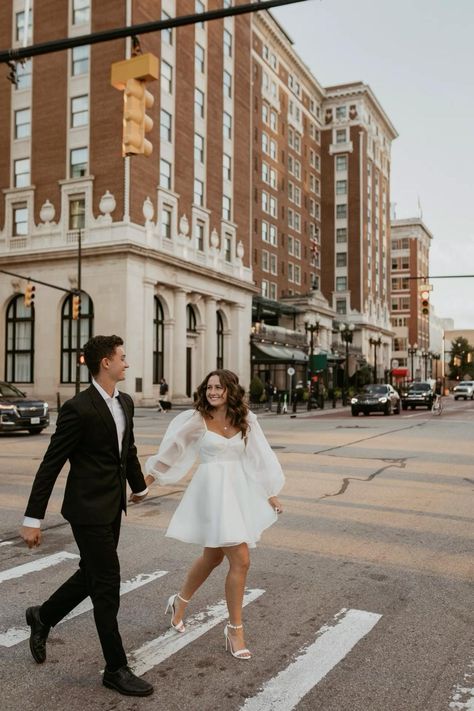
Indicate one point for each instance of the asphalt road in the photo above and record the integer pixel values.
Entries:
(360, 598)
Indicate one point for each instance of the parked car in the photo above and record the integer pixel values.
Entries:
(20, 412)
(376, 398)
(464, 389)
(418, 395)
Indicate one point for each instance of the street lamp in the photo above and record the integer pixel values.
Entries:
(311, 328)
(376, 343)
(346, 331)
(412, 353)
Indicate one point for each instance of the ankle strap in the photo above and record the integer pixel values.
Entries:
(234, 627)
(181, 598)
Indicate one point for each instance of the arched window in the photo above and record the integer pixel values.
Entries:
(69, 337)
(220, 341)
(190, 319)
(20, 341)
(158, 341)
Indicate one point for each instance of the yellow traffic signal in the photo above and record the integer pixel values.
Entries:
(30, 295)
(76, 307)
(425, 302)
(136, 123)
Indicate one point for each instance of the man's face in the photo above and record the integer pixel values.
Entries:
(116, 365)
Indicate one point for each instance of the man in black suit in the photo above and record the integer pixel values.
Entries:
(95, 433)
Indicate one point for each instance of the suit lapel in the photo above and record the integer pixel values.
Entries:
(103, 410)
(126, 433)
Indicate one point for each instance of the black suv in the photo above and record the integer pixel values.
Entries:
(418, 395)
(19, 412)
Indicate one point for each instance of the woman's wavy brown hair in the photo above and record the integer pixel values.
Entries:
(237, 409)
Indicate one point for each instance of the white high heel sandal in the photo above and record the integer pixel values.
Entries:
(170, 606)
(239, 654)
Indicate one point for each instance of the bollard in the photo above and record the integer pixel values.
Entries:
(279, 405)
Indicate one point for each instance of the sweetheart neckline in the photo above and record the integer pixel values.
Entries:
(222, 436)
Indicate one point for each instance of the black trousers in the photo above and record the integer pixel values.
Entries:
(98, 577)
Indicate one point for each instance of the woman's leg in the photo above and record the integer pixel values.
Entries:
(199, 572)
(239, 563)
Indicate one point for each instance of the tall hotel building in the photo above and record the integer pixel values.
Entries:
(165, 240)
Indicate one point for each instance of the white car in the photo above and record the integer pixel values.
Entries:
(464, 389)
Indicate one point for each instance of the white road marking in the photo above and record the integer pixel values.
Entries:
(6, 543)
(157, 650)
(462, 697)
(15, 635)
(335, 640)
(39, 564)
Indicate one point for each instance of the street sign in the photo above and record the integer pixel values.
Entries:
(291, 371)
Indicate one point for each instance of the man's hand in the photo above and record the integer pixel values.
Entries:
(135, 499)
(31, 536)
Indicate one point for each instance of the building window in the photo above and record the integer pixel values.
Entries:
(227, 125)
(220, 341)
(314, 282)
(341, 187)
(273, 291)
(273, 264)
(341, 163)
(19, 351)
(228, 248)
(291, 276)
(199, 103)
(273, 150)
(341, 235)
(69, 337)
(227, 43)
(341, 211)
(273, 235)
(23, 75)
(80, 60)
(166, 35)
(341, 306)
(165, 174)
(20, 26)
(198, 192)
(226, 166)
(23, 123)
(166, 77)
(199, 59)
(226, 208)
(265, 143)
(21, 173)
(341, 283)
(227, 84)
(341, 135)
(158, 341)
(20, 220)
(165, 125)
(274, 121)
(198, 148)
(199, 9)
(80, 12)
(190, 319)
(79, 111)
(77, 213)
(199, 236)
(265, 289)
(78, 162)
(341, 112)
(341, 259)
(165, 222)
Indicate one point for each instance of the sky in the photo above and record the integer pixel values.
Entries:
(418, 58)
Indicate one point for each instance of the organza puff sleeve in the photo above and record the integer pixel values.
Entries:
(260, 461)
(178, 449)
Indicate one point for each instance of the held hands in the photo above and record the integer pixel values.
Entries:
(134, 498)
(275, 504)
(31, 536)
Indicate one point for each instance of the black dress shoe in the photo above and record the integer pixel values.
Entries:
(126, 682)
(39, 634)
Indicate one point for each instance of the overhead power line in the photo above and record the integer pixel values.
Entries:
(18, 53)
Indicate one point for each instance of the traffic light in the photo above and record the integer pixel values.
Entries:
(425, 302)
(131, 76)
(29, 295)
(76, 307)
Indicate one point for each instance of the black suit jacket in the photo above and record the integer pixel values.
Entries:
(86, 435)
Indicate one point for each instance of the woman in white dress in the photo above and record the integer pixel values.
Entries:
(231, 498)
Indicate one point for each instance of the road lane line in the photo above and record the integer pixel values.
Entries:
(6, 543)
(39, 564)
(335, 640)
(462, 697)
(15, 635)
(157, 650)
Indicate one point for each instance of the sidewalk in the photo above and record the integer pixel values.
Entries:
(259, 411)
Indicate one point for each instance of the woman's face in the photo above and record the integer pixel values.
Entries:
(216, 394)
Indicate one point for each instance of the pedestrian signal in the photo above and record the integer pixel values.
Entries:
(76, 307)
(29, 295)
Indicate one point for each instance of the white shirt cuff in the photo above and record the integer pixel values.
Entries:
(32, 522)
(141, 493)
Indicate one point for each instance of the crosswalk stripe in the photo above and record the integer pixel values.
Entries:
(335, 640)
(6, 543)
(157, 650)
(39, 564)
(462, 697)
(15, 635)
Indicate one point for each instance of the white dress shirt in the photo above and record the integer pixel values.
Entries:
(116, 410)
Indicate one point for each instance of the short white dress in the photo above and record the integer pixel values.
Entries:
(226, 501)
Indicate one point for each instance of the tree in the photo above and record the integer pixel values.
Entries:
(461, 363)
(256, 389)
